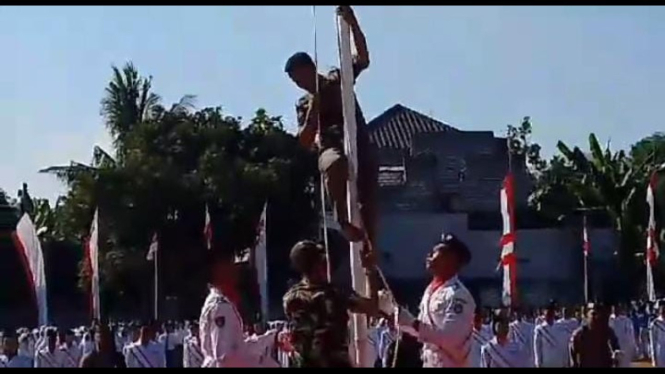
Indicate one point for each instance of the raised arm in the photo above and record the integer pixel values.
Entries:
(361, 58)
(368, 306)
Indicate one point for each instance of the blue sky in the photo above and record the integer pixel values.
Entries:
(574, 70)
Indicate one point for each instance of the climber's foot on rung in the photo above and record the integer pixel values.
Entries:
(352, 233)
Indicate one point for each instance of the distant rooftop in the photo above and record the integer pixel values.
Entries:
(395, 127)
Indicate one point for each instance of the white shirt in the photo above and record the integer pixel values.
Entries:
(223, 343)
(568, 325)
(170, 340)
(657, 342)
(18, 361)
(70, 357)
(510, 355)
(446, 318)
(46, 359)
(521, 332)
(551, 345)
(625, 333)
(151, 355)
(480, 339)
(192, 355)
(87, 345)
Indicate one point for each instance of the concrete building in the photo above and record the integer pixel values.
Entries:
(435, 178)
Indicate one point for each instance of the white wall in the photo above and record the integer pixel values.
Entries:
(543, 254)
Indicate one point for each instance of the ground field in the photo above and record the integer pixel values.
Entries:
(641, 364)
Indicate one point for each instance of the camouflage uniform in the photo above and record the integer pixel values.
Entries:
(318, 319)
(331, 122)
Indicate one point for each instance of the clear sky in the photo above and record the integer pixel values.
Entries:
(574, 70)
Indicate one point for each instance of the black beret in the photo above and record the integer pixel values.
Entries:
(452, 243)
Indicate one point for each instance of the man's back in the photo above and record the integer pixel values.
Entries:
(318, 318)
(593, 348)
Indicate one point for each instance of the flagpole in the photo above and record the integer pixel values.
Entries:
(586, 262)
(156, 284)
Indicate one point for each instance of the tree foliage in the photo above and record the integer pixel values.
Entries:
(596, 180)
(169, 163)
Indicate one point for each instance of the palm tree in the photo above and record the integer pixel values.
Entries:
(128, 102)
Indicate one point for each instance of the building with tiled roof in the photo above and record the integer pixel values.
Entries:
(428, 165)
(394, 129)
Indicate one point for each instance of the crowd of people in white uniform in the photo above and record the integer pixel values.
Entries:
(543, 339)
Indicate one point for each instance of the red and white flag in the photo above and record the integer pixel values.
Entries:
(261, 262)
(92, 251)
(154, 247)
(207, 230)
(652, 252)
(30, 251)
(508, 259)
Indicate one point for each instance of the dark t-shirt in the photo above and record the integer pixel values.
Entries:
(96, 359)
(318, 320)
(593, 348)
(331, 114)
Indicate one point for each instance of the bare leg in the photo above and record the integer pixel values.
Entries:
(334, 166)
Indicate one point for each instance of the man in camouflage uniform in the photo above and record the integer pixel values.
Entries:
(322, 115)
(318, 311)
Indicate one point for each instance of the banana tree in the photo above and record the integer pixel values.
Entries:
(612, 182)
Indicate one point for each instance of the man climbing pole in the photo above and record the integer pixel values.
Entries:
(319, 113)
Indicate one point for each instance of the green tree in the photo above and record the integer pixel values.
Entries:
(612, 182)
(171, 163)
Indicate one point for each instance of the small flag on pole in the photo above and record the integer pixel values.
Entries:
(207, 230)
(152, 250)
(652, 240)
(93, 260)
(261, 262)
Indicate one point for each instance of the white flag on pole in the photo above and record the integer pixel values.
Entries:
(207, 230)
(152, 250)
(652, 252)
(30, 250)
(93, 260)
(261, 262)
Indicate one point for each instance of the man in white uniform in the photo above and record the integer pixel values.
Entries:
(71, 352)
(500, 351)
(193, 357)
(49, 356)
(550, 342)
(445, 322)
(625, 333)
(481, 336)
(568, 322)
(657, 338)
(145, 353)
(26, 347)
(10, 357)
(521, 332)
(223, 343)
